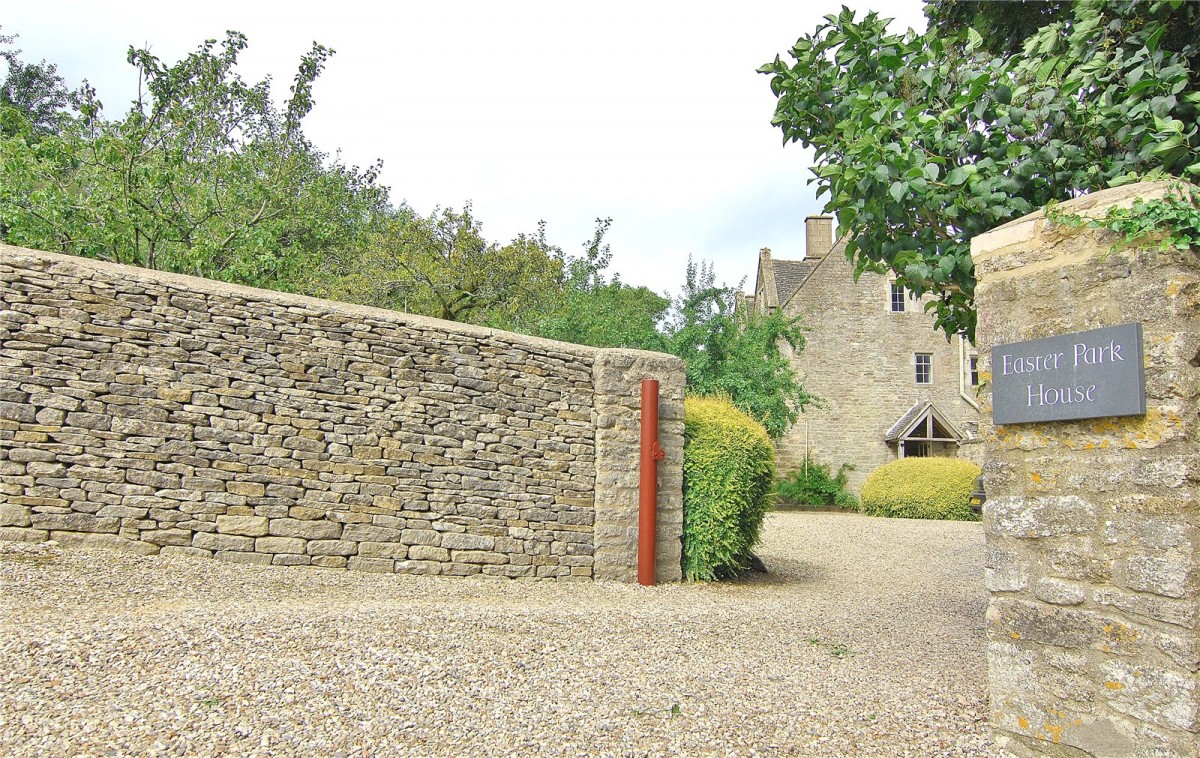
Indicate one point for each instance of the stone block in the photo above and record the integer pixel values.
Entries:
(1182, 613)
(23, 534)
(252, 559)
(467, 542)
(1078, 560)
(329, 561)
(370, 533)
(1033, 518)
(1184, 651)
(1164, 574)
(123, 511)
(307, 512)
(430, 568)
(163, 537)
(15, 515)
(1062, 627)
(393, 550)
(75, 522)
(309, 530)
(280, 545)
(332, 547)
(512, 572)
(428, 553)
(137, 427)
(421, 537)
(373, 565)
(176, 395)
(478, 556)
(104, 542)
(1155, 695)
(250, 526)
(289, 559)
(1059, 592)
(248, 489)
(222, 542)
(20, 412)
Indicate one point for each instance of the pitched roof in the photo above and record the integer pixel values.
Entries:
(914, 416)
(790, 276)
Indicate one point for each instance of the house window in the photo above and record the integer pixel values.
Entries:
(974, 370)
(897, 298)
(924, 363)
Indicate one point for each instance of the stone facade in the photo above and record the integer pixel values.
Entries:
(162, 413)
(860, 361)
(1093, 526)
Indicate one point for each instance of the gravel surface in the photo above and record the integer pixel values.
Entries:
(865, 639)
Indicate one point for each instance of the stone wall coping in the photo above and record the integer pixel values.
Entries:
(23, 257)
(1091, 206)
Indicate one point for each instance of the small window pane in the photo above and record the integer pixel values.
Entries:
(974, 370)
(897, 298)
(924, 368)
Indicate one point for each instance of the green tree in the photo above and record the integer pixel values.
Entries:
(590, 309)
(442, 266)
(202, 176)
(1003, 24)
(34, 98)
(737, 353)
(923, 141)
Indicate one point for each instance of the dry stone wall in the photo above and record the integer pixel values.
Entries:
(162, 413)
(1093, 526)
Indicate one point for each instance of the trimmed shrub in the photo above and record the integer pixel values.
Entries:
(728, 469)
(938, 488)
(817, 487)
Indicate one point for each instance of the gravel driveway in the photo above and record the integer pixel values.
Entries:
(866, 639)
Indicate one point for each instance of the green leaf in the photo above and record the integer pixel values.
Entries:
(974, 39)
(897, 191)
(1168, 145)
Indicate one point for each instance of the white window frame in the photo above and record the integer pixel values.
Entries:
(927, 365)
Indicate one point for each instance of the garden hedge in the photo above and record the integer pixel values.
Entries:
(728, 470)
(934, 488)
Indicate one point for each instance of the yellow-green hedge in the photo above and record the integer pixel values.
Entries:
(938, 488)
(728, 470)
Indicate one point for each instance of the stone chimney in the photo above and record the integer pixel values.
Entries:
(818, 237)
(766, 295)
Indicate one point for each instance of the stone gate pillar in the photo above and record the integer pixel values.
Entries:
(1093, 528)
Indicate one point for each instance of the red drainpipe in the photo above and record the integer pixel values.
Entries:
(648, 483)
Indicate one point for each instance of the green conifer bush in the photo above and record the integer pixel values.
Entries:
(728, 470)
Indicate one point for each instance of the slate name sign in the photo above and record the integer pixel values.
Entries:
(1071, 376)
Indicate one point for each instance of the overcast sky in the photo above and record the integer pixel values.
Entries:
(650, 113)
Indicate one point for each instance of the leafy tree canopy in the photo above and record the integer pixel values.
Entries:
(737, 353)
(203, 175)
(442, 266)
(34, 98)
(591, 309)
(1004, 26)
(923, 141)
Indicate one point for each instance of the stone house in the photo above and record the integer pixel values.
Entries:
(890, 385)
